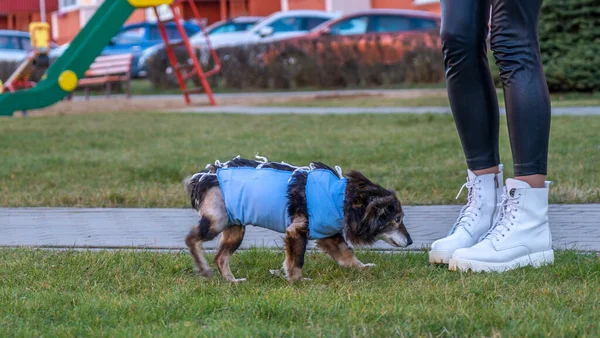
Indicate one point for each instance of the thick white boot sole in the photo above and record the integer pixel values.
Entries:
(440, 257)
(536, 260)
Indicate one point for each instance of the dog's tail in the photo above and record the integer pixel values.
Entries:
(188, 185)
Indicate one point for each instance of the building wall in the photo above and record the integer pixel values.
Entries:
(211, 11)
(139, 15)
(238, 8)
(306, 4)
(433, 8)
(349, 6)
(67, 26)
(69, 23)
(20, 20)
(263, 7)
(406, 4)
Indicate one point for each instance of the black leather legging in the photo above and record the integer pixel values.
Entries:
(514, 42)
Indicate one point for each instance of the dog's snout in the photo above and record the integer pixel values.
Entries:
(409, 240)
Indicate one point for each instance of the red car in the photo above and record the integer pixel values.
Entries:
(377, 35)
(378, 21)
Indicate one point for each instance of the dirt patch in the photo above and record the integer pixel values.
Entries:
(163, 103)
(107, 105)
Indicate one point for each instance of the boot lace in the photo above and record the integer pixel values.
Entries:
(506, 218)
(470, 211)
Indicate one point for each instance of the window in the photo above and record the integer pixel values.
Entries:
(172, 33)
(351, 26)
(312, 22)
(9, 42)
(423, 24)
(242, 27)
(226, 28)
(289, 24)
(389, 24)
(62, 4)
(26, 44)
(131, 36)
(154, 33)
(232, 27)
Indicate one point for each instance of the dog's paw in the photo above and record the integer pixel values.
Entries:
(238, 280)
(369, 265)
(204, 273)
(278, 272)
(299, 279)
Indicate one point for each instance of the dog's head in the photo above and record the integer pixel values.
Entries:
(373, 213)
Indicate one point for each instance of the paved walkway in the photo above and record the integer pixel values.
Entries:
(573, 226)
(267, 95)
(258, 110)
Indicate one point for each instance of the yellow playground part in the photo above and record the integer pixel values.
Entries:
(149, 3)
(40, 36)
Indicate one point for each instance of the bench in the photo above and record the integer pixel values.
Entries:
(107, 70)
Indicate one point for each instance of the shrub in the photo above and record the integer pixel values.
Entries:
(570, 44)
(7, 68)
(300, 63)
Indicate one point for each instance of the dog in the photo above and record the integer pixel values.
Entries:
(314, 202)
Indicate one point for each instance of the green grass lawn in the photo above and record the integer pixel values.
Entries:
(129, 294)
(140, 159)
(558, 100)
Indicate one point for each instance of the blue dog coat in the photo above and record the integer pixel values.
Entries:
(259, 197)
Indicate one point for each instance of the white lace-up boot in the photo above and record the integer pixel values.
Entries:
(475, 218)
(520, 236)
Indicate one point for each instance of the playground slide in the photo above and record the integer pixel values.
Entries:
(61, 78)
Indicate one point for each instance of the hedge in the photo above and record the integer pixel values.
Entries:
(7, 68)
(570, 44)
(290, 64)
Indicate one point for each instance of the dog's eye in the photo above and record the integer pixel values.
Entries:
(398, 219)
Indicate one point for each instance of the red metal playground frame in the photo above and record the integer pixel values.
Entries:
(194, 69)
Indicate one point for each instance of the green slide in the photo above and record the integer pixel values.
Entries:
(75, 61)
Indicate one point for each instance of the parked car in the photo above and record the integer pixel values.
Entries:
(15, 45)
(236, 25)
(135, 38)
(239, 24)
(278, 26)
(376, 36)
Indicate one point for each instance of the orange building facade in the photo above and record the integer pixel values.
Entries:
(18, 14)
(69, 16)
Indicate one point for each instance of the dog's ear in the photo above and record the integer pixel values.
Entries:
(358, 178)
(378, 207)
(365, 187)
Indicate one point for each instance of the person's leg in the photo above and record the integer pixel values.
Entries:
(471, 89)
(475, 108)
(521, 236)
(515, 44)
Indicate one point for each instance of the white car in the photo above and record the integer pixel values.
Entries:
(278, 26)
(15, 45)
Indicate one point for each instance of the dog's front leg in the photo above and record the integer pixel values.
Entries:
(296, 238)
(339, 250)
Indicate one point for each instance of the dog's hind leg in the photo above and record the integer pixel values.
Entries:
(213, 220)
(295, 241)
(230, 241)
(339, 250)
